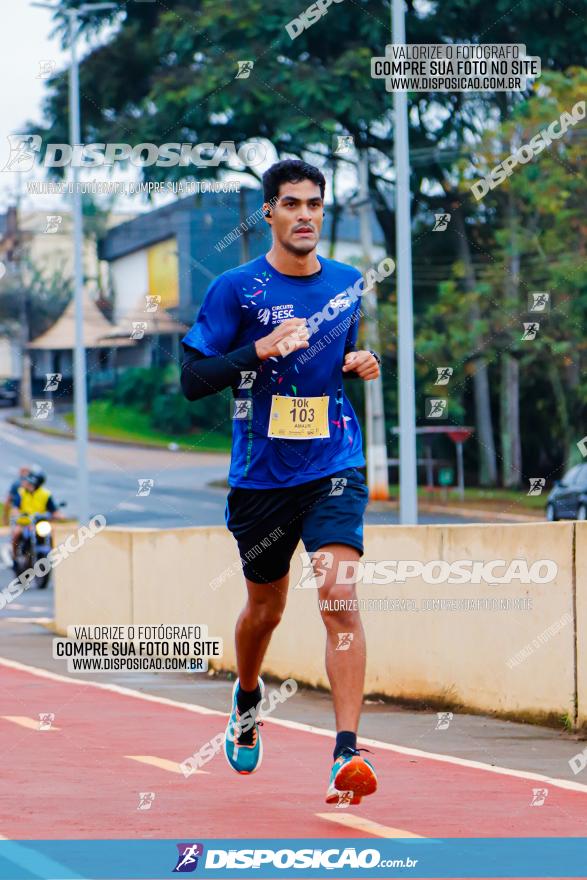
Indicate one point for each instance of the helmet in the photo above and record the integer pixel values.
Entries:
(39, 475)
(35, 479)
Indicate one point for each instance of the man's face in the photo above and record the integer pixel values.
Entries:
(296, 217)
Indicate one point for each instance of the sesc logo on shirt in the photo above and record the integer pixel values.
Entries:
(340, 301)
(276, 314)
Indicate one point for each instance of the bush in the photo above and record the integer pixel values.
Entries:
(156, 391)
(172, 412)
(137, 387)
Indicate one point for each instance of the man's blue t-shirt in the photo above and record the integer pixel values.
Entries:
(246, 304)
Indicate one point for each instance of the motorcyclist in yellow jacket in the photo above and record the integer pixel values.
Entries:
(34, 498)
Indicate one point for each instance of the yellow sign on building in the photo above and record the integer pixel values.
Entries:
(163, 272)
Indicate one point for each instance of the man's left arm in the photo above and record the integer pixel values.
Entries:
(358, 364)
(362, 365)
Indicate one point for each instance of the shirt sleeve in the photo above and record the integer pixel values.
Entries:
(218, 320)
(201, 375)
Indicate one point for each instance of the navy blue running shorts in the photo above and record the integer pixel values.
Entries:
(268, 523)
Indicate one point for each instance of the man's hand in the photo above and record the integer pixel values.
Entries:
(362, 363)
(291, 335)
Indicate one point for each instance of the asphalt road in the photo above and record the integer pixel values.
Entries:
(180, 495)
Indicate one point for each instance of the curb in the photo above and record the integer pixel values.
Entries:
(100, 438)
(476, 512)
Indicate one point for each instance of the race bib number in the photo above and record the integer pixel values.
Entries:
(298, 418)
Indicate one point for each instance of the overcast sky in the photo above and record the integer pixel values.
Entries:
(26, 46)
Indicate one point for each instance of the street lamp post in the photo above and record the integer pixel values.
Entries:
(79, 354)
(377, 468)
(408, 475)
(79, 365)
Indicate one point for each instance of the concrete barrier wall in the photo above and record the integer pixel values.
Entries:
(145, 576)
(581, 620)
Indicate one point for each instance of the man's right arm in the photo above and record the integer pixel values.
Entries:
(202, 375)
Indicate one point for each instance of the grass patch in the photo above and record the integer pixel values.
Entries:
(125, 423)
(492, 499)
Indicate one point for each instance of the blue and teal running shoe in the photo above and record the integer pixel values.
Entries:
(351, 778)
(242, 744)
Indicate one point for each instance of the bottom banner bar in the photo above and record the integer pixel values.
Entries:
(467, 858)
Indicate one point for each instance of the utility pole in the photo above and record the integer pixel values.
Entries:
(16, 238)
(408, 474)
(79, 358)
(377, 478)
(79, 363)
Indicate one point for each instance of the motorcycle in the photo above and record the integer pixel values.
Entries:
(34, 544)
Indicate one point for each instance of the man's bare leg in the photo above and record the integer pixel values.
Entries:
(255, 625)
(345, 669)
(346, 673)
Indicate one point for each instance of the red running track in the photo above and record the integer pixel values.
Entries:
(76, 782)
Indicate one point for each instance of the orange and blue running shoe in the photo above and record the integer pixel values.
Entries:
(351, 778)
(242, 743)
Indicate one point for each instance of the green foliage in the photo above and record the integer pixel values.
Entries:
(155, 392)
(173, 412)
(137, 387)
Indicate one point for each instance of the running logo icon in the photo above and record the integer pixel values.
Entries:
(53, 223)
(247, 378)
(146, 799)
(138, 329)
(441, 222)
(46, 719)
(539, 301)
(187, 860)
(537, 484)
(338, 485)
(344, 641)
(344, 143)
(23, 150)
(46, 69)
(313, 573)
(242, 409)
(444, 374)
(244, 69)
(530, 331)
(539, 796)
(52, 381)
(43, 409)
(444, 719)
(436, 408)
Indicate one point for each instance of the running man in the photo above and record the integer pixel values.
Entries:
(281, 330)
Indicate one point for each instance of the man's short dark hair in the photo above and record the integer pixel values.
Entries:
(290, 171)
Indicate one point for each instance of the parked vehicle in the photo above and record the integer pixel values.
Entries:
(9, 391)
(568, 498)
